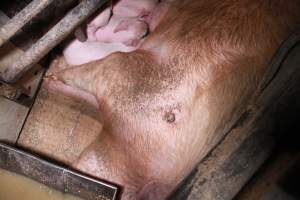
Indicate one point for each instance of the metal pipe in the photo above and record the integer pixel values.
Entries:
(54, 176)
(50, 39)
(21, 19)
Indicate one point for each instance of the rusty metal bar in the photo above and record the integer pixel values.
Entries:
(21, 19)
(50, 39)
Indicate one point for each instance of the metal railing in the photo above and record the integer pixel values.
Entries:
(54, 36)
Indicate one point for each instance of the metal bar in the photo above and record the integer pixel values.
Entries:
(28, 84)
(50, 39)
(55, 176)
(280, 55)
(21, 19)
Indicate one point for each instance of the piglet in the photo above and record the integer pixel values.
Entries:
(110, 32)
(77, 53)
(125, 23)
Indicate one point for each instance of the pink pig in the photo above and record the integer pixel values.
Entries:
(123, 31)
(127, 24)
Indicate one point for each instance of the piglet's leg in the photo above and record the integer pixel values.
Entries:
(100, 21)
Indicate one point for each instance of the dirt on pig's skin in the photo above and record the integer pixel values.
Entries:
(201, 64)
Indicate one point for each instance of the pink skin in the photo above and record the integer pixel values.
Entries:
(117, 33)
(128, 31)
(134, 8)
(157, 15)
(100, 21)
(120, 29)
(77, 53)
(127, 24)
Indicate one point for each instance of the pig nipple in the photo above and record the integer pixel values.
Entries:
(170, 117)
